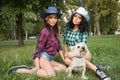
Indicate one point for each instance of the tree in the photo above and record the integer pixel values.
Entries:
(100, 8)
(7, 26)
(20, 7)
(17, 9)
(29, 22)
(108, 23)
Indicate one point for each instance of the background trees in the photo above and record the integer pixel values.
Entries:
(104, 12)
(21, 19)
(13, 13)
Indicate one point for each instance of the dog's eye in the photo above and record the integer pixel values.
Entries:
(78, 47)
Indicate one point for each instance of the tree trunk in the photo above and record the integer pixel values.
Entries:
(20, 30)
(97, 24)
(26, 34)
(97, 27)
(14, 35)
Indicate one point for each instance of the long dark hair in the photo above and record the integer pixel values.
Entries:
(55, 28)
(83, 26)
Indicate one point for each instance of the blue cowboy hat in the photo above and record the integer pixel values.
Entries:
(50, 10)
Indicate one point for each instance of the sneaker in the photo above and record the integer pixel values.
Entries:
(102, 75)
(13, 69)
(106, 67)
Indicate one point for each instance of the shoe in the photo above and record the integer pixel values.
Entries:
(106, 67)
(99, 66)
(13, 69)
(102, 75)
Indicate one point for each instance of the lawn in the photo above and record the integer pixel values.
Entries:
(105, 50)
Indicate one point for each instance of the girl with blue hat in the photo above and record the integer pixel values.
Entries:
(47, 46)
(75, 32)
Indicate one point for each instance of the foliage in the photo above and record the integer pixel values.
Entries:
(17, 10)
(103, 12)
(101, 8)
(109, 21)
(7, 21)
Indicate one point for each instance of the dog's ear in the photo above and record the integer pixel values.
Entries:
(85, 45)
(72, 48)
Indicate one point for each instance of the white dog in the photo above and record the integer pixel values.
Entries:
(78, 62)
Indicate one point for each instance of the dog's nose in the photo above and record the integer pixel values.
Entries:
(83, 48)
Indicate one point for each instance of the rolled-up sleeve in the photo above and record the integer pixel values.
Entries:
(41, 42)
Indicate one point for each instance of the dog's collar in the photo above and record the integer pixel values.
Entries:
(77, 56)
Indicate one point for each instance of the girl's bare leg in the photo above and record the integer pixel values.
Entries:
(46, 70)
(30, 71)
(27, 71)
(89, 64)
(58, 67)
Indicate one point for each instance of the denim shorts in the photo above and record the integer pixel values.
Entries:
(46, 55)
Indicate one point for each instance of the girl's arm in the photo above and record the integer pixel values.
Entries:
(61, 54)
(65, 48)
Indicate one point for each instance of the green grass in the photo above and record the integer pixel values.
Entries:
(104, 50)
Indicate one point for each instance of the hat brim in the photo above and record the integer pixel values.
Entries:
(43, 15)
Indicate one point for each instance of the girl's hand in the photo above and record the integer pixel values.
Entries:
(66, 54)
(69, 55)
(37, 63)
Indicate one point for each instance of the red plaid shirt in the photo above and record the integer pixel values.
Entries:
(47, 42)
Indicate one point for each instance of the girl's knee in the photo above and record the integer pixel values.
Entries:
(51, 74)
(63, 68)
(45, 74)
(88, 57)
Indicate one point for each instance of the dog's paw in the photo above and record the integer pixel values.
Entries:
(84, 78)
(70, 75)
(67, 70)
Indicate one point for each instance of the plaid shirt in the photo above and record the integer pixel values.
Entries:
(71, 38)
(47, 42)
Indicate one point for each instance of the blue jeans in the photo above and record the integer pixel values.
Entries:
(47, 56)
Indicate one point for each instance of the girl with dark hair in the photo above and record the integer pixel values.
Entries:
(75, 32)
